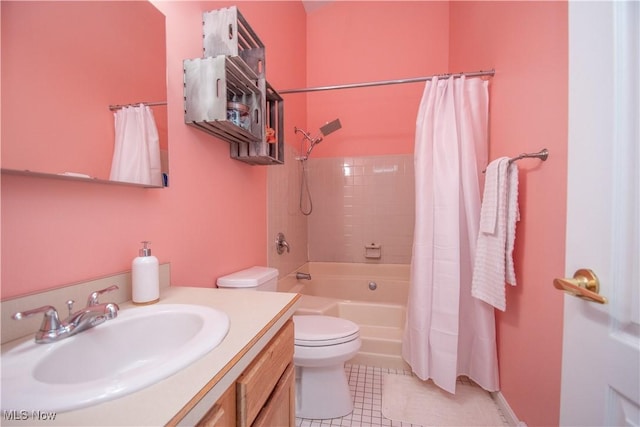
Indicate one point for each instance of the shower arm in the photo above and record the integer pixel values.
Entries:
(307, 136)
(312, 141)
(325, 130)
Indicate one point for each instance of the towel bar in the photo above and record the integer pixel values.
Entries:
(542, 155)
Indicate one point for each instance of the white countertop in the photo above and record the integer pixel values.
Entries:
(255, 317)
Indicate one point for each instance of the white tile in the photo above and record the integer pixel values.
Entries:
(365, 383)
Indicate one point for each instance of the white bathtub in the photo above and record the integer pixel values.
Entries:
(343, 290)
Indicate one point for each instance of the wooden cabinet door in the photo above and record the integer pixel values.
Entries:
(223, 412)
(257, 383)
(280, 408)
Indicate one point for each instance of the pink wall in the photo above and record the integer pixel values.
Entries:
(209, 222)
(352, 42)
(527, 44)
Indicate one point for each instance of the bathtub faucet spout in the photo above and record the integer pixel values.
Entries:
(303, 276)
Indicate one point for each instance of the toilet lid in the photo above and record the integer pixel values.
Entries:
(316, 331)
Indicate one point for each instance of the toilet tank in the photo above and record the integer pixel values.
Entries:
(254, 278)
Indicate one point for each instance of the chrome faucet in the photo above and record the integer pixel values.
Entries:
(302, 276)
(52, 329)
(281, 244)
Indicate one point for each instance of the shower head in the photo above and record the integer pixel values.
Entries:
(325, 130)
(331, 127)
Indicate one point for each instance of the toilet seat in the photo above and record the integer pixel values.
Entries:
(322, 331)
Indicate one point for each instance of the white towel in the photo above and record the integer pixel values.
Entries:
(513, 216)
(489, 208)
(494, 263)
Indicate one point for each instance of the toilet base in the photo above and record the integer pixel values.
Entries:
(322, 392)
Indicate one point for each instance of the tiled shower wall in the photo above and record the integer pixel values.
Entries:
(283, 186)
(357, 201)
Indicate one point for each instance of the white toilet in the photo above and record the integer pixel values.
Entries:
(322, 345)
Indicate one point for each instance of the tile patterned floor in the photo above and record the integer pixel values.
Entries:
(365, 383)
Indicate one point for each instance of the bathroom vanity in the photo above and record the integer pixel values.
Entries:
(247, 380)
(264, 394)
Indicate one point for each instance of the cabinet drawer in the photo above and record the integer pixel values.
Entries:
(258, 381)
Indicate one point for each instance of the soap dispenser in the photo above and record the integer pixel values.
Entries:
(145, 278)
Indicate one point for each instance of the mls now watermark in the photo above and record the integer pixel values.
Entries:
(23, 415)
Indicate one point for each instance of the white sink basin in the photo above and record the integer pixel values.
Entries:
(140, 347)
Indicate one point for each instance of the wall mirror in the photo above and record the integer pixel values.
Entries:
(64, 63)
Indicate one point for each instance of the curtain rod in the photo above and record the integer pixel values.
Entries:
(389, 82)
(150, 104)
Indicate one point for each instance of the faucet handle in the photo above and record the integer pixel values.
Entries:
(70, 306)
(281, 244)
(93, 297)
(50, 323)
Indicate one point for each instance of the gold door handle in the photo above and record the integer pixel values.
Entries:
(585, 284)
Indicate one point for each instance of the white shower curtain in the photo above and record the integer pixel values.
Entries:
(448, 332)
(136, 154)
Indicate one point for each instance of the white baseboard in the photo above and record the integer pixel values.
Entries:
(508, 413)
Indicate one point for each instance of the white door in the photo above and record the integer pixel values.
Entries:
(601, 348)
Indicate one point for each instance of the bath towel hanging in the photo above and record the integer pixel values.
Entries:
(136, 154)
(494, 252)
